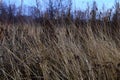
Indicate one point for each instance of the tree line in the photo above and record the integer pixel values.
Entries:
(58, 12)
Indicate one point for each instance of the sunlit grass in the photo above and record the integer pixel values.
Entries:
(62, 53)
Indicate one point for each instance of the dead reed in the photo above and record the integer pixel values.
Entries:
(69, 53)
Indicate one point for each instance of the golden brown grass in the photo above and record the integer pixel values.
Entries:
(69, 53)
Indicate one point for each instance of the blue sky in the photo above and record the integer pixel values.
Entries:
(78, 4)
(83, 3)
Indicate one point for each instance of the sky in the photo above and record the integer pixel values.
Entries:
(77, 4)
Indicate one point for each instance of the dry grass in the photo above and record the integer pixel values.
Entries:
(66, 53)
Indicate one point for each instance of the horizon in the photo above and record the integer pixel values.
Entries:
(76, 4)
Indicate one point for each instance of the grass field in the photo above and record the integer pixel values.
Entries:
(60, 52)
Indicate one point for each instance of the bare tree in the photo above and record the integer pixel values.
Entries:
(37, 10)
(93, 12)
(116, 17)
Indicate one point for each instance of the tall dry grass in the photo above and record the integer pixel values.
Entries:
(66, 53)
